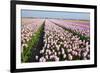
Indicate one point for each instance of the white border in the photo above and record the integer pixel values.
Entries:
(20, 65)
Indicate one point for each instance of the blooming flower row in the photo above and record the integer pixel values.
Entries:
(60, 44)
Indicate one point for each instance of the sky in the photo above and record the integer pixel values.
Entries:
(55, 14)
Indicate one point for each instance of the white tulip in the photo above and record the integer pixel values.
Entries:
(70, 57)
(36, 57)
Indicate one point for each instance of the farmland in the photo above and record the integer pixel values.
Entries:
(46, 40)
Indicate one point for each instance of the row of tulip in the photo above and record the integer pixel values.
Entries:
(29, 33)
(82, 28)
(60, 44)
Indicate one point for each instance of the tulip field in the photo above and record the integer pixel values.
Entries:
(46, 40)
